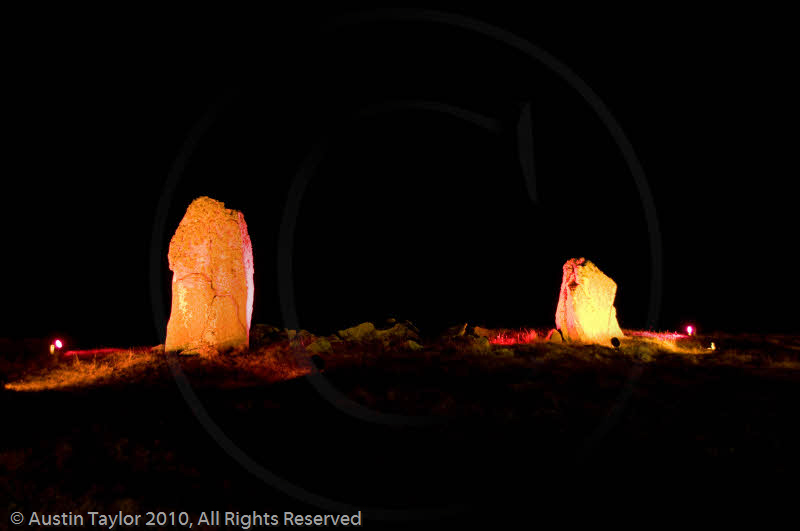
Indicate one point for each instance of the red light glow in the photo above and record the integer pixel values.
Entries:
(514, 338)
(59, 344)
(690, 329)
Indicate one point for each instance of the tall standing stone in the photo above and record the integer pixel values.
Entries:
(586, 311)
(211, 258)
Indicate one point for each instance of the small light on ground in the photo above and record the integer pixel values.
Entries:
(712, 347)
(690, 330)
(59, 344)
(52, 349)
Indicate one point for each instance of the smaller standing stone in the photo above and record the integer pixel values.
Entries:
(586, 312)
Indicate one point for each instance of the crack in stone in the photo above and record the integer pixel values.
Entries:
(194, 245)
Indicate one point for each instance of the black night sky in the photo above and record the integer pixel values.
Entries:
(417, 207)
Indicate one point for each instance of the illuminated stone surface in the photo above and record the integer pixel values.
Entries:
(211, 259)
(362, 332)
(586, 311)
(554, 336)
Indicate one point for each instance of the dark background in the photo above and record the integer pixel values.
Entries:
(414, 213)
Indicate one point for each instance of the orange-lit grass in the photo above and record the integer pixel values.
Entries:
(283, 360)
(74, 372)
(651, 343)
(278, 362)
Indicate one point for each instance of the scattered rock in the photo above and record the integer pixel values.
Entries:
(396, 334)
(586, 311)
(211, 258)
(482, 332)
(615, 342)
(413, 345)
(303, 336)
(554, 336)
(363, 332)
(320, 346)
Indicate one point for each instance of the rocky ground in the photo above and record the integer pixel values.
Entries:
(469, 422)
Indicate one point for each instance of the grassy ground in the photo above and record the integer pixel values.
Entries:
(524, 428)
(282, 359)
